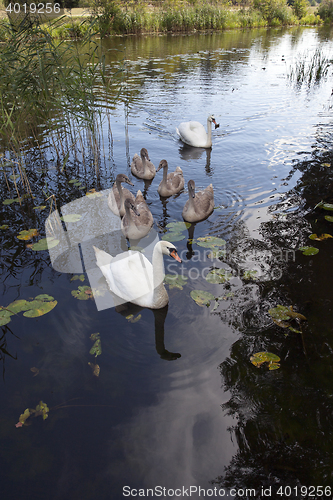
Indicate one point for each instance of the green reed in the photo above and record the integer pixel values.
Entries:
(310, 71)
(53, 94)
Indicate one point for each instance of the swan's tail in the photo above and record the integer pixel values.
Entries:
(102, 258)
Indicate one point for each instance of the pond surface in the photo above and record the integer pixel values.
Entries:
(207, 418)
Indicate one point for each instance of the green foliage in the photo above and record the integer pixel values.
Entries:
(325, 10)
(300, 8)
(274, 11)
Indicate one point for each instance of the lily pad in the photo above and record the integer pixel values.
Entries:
(5, 317)
(218, 276)
(44, 244)
(173, 237)
(95, 369)
(309, 250)
(4, 226)
(83, 293)
(14, 177)
(322, 237)
(175, 281)
(327, 206)
(261, 358)
(202, 298)
(178, 226)
(71, 217)
(133, 319)
(39, 308)
(329, 218)
(9, 201)
(210, 242)
(280, 313)
(250, 275)
(27, 235)
(80, 277)
(96, 349)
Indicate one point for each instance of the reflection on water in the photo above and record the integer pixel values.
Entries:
(144, 421)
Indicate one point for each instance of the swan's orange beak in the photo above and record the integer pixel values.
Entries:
(216, 124)
(175, 255)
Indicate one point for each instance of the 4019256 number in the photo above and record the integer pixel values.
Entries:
(33, 8)
(305, 491)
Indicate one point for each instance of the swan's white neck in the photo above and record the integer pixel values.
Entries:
(209, 134)
(158, 268)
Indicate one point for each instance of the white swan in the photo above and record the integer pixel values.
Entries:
(138, 219)
(118, 194)
(143, 167)
(133, 278)
(194, 133)
(171, 183)
(199, 205)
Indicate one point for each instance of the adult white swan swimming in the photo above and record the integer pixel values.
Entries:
(194, 133)
(133, 278)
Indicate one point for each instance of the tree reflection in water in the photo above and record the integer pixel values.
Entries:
(284, 417)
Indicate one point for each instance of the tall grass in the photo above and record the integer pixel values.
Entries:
(310, 71)
(53, 94)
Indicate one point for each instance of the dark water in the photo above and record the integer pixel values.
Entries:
(209, 418)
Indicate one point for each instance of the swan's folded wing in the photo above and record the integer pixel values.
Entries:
(130, 276)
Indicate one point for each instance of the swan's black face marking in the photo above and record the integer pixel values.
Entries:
(130, 205)
(173, 253)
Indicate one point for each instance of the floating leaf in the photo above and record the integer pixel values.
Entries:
(34, 370)
(175, 281)
(14, 177)
(9, 201)
(250, 275)
(309, 250)
(80, 277)
(23, 417)
(173, 236)
(178, 226)
(44, 244)
(201, 297)
(95, 369)
(42, 409)
(210, 242)
(93, 193)
(5, 317)
(325, 164)
(39, 308)
(71, 217)
(77, 183)
(218, 276)
(132, 319)
(72, 181)
(217, 254)
(294, 330)
(40, 207)
(322, 237)
(327, 206)
(83, 293)
(329, 218)
(279, 313)
(27, 235)
(4, 226)
(260, 358)
(94, 336)
(96, 349)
